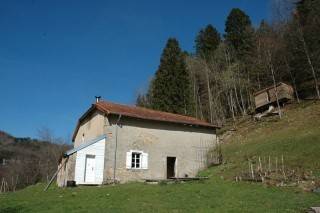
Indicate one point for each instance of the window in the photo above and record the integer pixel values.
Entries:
(135, 160)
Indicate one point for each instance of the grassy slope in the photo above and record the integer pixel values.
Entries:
(296, 136)
(214, 195)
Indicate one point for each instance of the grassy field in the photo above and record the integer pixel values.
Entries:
(214, 195)
(296, 137)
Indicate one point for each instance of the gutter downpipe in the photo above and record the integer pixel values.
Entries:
(115, 151)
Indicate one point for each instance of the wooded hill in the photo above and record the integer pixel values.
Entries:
(26, 161)
(216, 82)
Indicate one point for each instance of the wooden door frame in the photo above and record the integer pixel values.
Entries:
(174, 166)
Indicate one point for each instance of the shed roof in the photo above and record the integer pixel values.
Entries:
(142, 113)
(270, 87)
(84, 145)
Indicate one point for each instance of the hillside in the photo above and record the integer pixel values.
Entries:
(25, 161)
(296, 137)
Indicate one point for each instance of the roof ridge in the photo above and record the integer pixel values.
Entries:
(143, 113)
(150, 110)
(270, 87)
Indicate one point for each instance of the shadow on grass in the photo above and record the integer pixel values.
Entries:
(11, 209)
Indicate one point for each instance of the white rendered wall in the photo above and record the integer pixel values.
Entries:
(97, 149)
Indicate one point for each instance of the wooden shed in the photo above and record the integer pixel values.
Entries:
(266, 97)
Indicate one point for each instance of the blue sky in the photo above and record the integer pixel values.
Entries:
(55, 56)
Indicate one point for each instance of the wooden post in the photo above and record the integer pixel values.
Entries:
(12, 183)
(284, 173)
(252, 173)
(1, 185)
(15, 186)
(53, 177)
(260, 164)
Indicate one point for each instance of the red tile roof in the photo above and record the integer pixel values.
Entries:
(143, 113)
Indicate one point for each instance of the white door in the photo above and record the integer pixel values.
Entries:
(90, 169)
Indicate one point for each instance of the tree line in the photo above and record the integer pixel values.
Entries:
(217, 81)
(26, 161)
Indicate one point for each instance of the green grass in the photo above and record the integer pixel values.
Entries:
(214, 195)
(296, 137)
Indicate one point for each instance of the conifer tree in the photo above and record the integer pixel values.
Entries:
(171, 90)
(207, 41)
(239, 32)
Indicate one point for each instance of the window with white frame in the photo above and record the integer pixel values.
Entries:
(137, 160)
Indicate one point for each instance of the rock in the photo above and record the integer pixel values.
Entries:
(314, 210)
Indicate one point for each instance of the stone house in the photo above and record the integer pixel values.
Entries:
(118, 143)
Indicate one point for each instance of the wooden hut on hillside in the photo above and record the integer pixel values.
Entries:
(267, 96)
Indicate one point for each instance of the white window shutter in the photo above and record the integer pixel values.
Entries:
(128, 160)
(144, 164)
